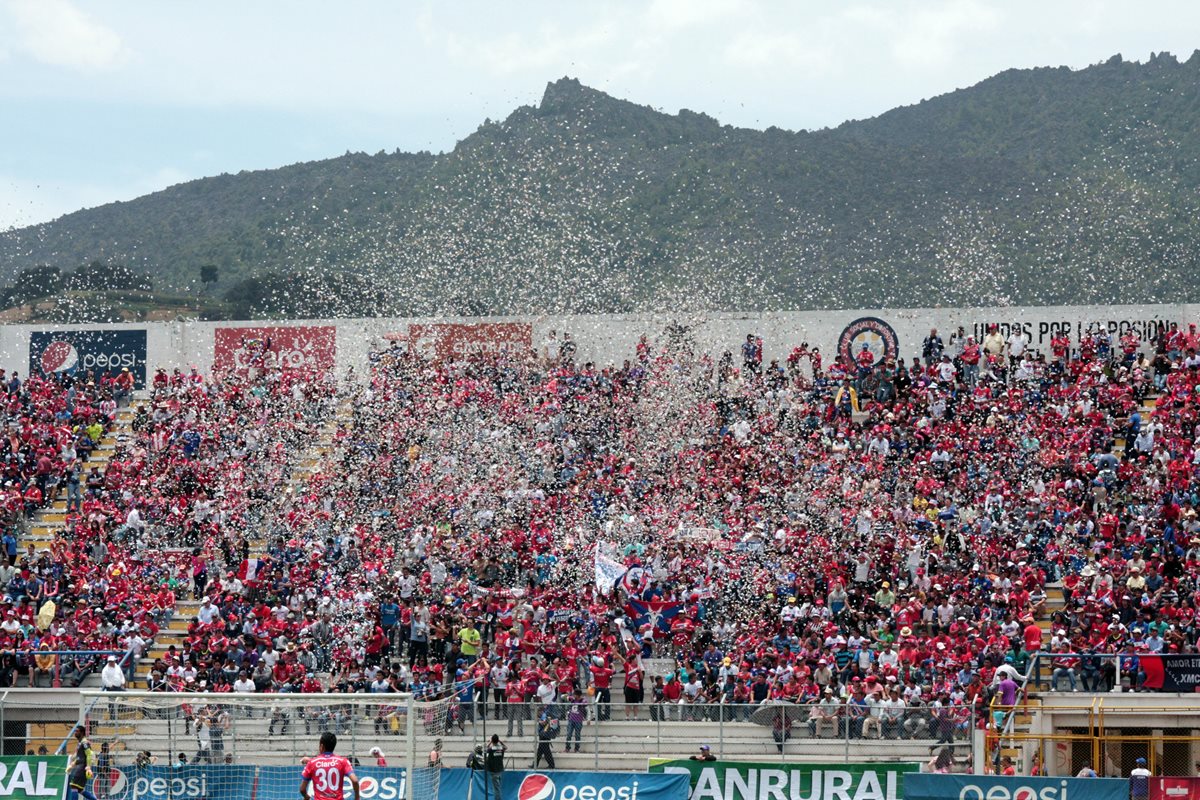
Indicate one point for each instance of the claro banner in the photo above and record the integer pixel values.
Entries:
(29, 777)
(294, 347)
(84, 351)
(745, 780)
(994, 787)
(1175, 789)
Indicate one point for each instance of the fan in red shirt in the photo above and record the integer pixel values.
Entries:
(327, 771)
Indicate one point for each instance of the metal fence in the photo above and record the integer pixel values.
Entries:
(609, 732)
(1066, 739)
(281, 728)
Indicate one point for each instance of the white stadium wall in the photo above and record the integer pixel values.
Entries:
(599, 338)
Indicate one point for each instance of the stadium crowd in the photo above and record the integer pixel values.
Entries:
(863, 536)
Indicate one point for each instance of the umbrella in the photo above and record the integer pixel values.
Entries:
(46, 615)
(768, 713)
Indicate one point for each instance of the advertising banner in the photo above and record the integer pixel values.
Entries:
(29, 777)
(564, 785)
(193, 782)
(996, 787)
(452, 341)
(1171, 673)
(97, 351)
(294, 347)
(1175, 789)
(744, 780)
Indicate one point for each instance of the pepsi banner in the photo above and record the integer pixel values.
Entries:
(194, 782)
(100, 352)
(563, 785)
(374, 783)
(925, 786)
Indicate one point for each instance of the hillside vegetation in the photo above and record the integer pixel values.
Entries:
(1034, 187)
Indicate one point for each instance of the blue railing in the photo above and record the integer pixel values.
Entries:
(126, 664)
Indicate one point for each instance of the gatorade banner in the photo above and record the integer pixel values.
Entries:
(193, 782)
(718, 780)
(454, 342)
(562, 785)
(995, 787)
(102, 352)
(1175, 789)
(1171, 673)
(33, 777)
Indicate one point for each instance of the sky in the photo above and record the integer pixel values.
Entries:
(105, 100)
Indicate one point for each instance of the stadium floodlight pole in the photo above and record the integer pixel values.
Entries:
(410, 746)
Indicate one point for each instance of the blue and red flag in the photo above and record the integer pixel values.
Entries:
(659, 613)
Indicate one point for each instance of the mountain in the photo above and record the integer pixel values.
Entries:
(1036, 186)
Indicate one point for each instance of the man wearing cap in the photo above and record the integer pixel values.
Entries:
(112, 679)
(705, 754)
(825, 715)
(1139, 781)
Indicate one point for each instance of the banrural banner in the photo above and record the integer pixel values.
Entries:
(29, 777)
(998, 787)
(743, 780)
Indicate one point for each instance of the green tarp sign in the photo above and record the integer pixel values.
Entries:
(745, 780)
(30, 777)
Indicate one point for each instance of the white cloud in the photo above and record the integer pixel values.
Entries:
(672, 14)
(548, 49)
(29, 202)
(58, 33)
(762, 48)
(932, 36)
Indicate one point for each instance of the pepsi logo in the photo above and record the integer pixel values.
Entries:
(117, 784)
(536, 786)
(366, 785)
(59, 356)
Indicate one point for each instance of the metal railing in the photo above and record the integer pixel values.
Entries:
(126, 665)
(738, 730)
(1077, 678)
(280, 728)
(88, 660)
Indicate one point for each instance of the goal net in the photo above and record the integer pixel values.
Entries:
(179, 746)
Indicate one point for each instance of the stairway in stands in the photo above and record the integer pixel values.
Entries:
(1055, 601)
(186, 608)
(51, 521)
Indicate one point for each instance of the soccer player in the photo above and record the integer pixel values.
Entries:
(327, 771)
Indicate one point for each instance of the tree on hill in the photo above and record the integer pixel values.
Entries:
(1034, 186)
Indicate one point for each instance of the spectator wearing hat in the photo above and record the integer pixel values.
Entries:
(112, 677)
(705, 754)
(826, 715)
(576, 714)
(1139, 781)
